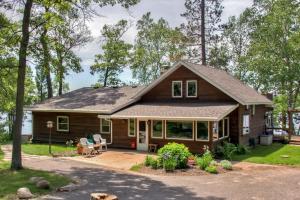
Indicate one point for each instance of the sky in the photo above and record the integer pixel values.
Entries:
(167, 9)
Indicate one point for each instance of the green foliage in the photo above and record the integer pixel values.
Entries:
(157, 46)
(170, 164)
(241, 149)
(154, 163)
(4, 138)
(211, 169)
(136, 167)
(204, 161)
(226, 150)
(226, 164)
(214, 163)
(174, 152)
(43, 149)
(115, 54)
(148, 160)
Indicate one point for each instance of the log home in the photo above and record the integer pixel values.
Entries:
(192, 104)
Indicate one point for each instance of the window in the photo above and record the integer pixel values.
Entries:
(105, 126)
(221, 129)
(179, 130)
(177, 89)
(157, 129)
(226, 127)
(215, 130)
(191, 88)
(246, 122)
(202, 131)
(63, 123)
(131, 127)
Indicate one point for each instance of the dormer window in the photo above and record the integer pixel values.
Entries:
(176, 89)
(191, 88)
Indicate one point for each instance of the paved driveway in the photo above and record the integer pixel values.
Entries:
(254, 182)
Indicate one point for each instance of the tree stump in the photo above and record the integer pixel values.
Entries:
(103, 196)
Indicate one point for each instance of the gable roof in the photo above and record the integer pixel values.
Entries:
(222, 80)
(89, 100)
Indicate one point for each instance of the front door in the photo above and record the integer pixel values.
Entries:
(142, 136)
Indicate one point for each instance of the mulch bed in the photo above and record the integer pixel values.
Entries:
(190, 171)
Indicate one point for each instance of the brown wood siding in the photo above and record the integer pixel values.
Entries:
(206, 91)
(120, 134)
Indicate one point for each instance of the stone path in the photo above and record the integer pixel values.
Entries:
(258, 182)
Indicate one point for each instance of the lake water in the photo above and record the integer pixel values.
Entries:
(27, 123)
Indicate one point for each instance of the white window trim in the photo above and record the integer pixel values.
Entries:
(57, 123)
(187, 88)
(196, 130)
(134, 131)
(162, 130)
(245, 128)
(101, 127)
(173, 89)
(192, 139)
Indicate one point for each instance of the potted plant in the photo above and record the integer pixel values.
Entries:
(191, 160)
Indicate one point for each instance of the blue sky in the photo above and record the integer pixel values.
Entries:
(168, 9)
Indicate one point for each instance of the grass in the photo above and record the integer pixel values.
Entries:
(274, 154)
(43, 149)
(12, 180)
(136, 167)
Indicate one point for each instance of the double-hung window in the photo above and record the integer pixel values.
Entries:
(191, 88)
(105, 126)
(157, 129)
(63, 123)
(176, 89)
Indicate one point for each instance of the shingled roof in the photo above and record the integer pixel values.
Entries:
(222, 80)
(89, 100)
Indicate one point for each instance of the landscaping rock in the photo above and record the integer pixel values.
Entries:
(68, 188)
(43, 184)
(103, 196)
(35, 179)
(24, 193)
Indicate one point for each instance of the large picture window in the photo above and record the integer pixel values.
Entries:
(157, 129)
(179, 130)
(131, 127)
(202, 131)
(105, 126)
(63, 123)
(191, 88)
(177, 89)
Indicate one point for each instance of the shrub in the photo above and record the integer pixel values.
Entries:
(226, 164)
(211, 169)
(227, 150)
(214, 163)
(204, 161)
(241, 149)
(154, 163)
(177, 153)
(4, 138)
(170, 164)
(148, 160)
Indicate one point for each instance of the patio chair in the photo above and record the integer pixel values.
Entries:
(99, 140)
(88, 149)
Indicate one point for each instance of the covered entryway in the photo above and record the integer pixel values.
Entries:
(142, 135)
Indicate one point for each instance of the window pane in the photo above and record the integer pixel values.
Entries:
(202, 130)
(63, 127)
(62, 120)
(105, 129)
(157, 128)
(215, 131)
(176, 89)
(105, 122)
(131, 127)
(181, 130)
(192, 89)
(105, 126)
(220, 128)
(226, 132)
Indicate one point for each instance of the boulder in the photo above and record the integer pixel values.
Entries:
(24, 193)
(43, 184)
(35, 179)
(68, 188)
(103, 196)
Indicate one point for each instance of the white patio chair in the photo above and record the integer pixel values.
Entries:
(88, 149)
(99, 140)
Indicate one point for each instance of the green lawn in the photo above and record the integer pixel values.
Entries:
(43, 149)
(274, 154)
(10, 180)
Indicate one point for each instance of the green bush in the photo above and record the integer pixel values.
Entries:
(174, 152)
(214, 163)
(226, 150)
(204, 161)
(148, 160)
(241, 149)
(226, 164)
(211, 169)
(4, 138)
(154, 163)
(170, 164)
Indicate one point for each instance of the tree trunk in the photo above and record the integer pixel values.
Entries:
(105, 77)
(16, 161)
(60, 76)
(203, 51)
(46, 64)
